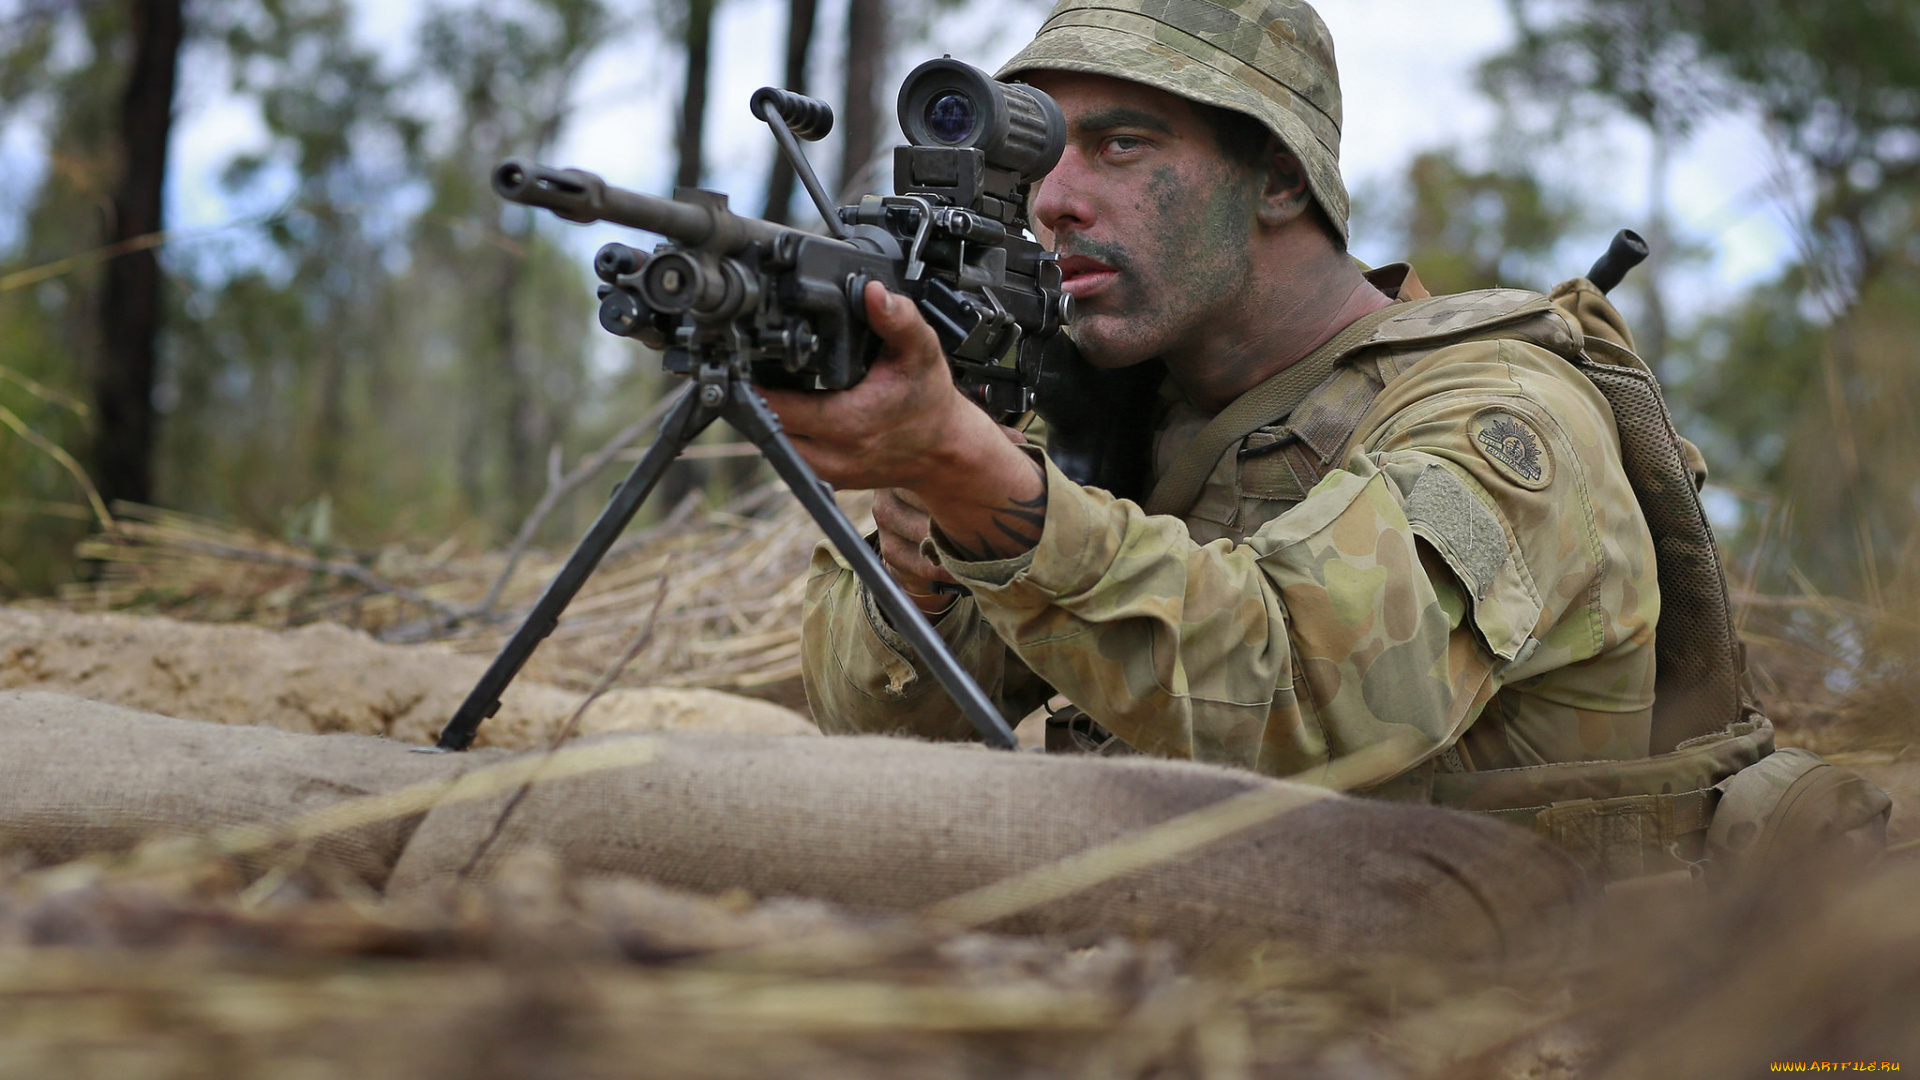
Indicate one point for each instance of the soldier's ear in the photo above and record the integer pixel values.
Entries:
(1284, 195)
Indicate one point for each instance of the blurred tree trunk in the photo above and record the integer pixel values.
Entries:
(527, 431)
(123, 380)
(740, 472)
(866, 63)
(800, 19)
(513, 73)
(698, 40)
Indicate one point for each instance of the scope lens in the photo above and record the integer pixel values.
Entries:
(951, 117)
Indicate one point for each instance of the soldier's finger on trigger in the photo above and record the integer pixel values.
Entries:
(897, 550)
(901, 518)
(913, 570)
(913, 502)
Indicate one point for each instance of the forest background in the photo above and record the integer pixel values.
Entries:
(250, 268)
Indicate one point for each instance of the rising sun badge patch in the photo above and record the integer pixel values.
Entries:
(1513, 447)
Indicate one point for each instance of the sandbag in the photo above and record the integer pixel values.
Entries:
(894, 824)
(80, 777)
(326, 679)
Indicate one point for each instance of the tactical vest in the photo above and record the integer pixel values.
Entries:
(1622, 819)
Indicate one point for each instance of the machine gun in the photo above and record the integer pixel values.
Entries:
(733, 301)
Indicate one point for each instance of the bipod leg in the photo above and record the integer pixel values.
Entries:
(689, 417)
(750, 415)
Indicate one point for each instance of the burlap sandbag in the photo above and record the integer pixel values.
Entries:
(898, 825)
(326, 679)
(79, 777)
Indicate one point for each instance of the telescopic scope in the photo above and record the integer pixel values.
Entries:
(945, 103)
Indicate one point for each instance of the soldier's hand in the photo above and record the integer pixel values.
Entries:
(890, 429)
(903, 524)
(907, 426)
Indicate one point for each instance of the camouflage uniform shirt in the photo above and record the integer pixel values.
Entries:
(1473, 575)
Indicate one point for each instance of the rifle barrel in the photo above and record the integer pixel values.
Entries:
(581, 196)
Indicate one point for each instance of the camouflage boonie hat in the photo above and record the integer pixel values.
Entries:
(1269, 59)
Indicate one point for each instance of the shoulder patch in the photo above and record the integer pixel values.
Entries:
(1512, 447)
(1442, 508)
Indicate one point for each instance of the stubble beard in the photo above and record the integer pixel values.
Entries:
(1117, 328)
(1141, 318)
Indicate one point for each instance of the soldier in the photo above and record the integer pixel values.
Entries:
(1376, 518)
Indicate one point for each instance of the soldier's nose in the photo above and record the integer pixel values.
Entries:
(1059, 201)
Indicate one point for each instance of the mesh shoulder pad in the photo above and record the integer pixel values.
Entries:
(1699, 686)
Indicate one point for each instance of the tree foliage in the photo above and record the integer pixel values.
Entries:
(60, 73)
(1840, 83)
(383, 338)
(1472, 228)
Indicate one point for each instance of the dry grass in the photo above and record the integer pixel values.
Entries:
(183, 974)
(730, 617)
(1836, 675)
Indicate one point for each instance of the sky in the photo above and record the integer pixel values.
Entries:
(1407, 72)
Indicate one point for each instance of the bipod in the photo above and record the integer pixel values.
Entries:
(721, 391)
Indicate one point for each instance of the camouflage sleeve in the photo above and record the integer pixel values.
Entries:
(862, 676)
(1396, 598)
(1567, 611)
(1186, 650)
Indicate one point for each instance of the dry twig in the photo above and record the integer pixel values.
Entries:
(54, 450)
(559, 488)
(350, 571)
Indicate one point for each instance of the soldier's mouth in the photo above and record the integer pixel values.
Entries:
(1081, 276)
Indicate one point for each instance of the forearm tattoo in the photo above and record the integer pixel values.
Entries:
(1017, 526)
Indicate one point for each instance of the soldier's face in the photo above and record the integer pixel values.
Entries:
(1152, 222)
